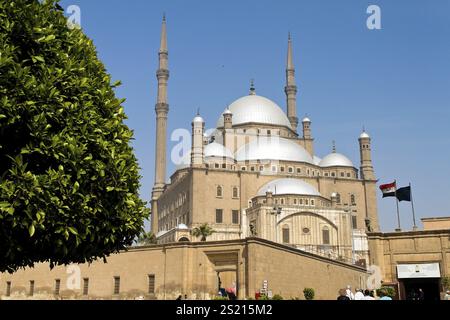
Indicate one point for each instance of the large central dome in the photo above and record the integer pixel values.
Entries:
(254, 108)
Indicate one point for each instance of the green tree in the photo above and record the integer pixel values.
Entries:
(68, 177)
(146, 238)
(203, 231)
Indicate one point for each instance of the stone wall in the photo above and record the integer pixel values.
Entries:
(189, 268)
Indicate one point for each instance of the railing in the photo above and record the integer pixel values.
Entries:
(328, 251)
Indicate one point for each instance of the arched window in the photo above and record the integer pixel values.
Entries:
(219, 192)
(285, 234)
(338, 198)
(325, 235)
(352, 199)
(235, 192)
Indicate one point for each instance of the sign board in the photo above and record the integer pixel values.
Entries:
(420, 270)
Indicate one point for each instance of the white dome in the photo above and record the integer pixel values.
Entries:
(335, 159)
(316, 160)
(364, 135)
(254, 108)
(198, 119)
(306, 119)
(215, 149)
(182, 226)
(273, 148)
(289, 186)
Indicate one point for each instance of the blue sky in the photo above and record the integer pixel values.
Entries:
(394, 81)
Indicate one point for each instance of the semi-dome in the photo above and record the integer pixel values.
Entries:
(336, 160)
(215, 149)
(258, 109)
(273, 148)
(288, 186)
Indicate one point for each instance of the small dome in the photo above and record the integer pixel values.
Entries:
(182, 226)
(335, 160)
(198, 119)
(215, 149)
(289, 186)
(256, 109)
(306, 119)
(316, 160)
(273, 148)
(227, 111)
(364, 135)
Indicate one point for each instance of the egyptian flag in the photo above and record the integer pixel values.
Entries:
(404, 194)
(388, 189)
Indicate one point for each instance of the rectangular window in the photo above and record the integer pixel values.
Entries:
(342, 174)
(116, 285)
(151, 283)
(243, 168)
(326, 236)
(285, 235)
(348, 174)
(299, 170)
(8, 288)
(216, 165)
(312, 202)
(282, 169)
(261, 168)
(57, 286)
(290, 170)
(354, 222)
(219, 215)
(85, 286)
(224, 165)
(252, 168)
(235, 192)
(235, 216)
(31, 293)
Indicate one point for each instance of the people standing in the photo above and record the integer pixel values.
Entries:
(359, 295)
(367, 295)
(421, 294)
(343, 295)
(384, 296)
(349, 293)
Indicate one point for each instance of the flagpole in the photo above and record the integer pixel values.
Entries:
(412, 207)
(398, 211)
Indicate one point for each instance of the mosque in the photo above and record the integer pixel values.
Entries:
(256, 175)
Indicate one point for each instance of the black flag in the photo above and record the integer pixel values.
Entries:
(404, 194)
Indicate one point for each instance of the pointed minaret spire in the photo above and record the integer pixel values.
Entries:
(291, 88)
(252, 87)
(162, 110)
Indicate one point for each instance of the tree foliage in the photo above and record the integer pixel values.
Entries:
(68, 177)
(203, 231)
(146, 238)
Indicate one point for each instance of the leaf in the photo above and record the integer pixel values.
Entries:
(31, 230)
(73, 230)
(109, 189)
(37, 58)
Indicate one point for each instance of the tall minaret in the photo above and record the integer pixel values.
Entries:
(198, 127)
(162, 109)
(367, 172)
(291, 88)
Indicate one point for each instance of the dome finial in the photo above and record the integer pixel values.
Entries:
(198, 111)
(334, 146)
(252, 87)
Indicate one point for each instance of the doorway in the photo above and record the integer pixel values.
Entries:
(429, 286)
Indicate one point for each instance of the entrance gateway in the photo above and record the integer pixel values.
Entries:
(415, 276)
